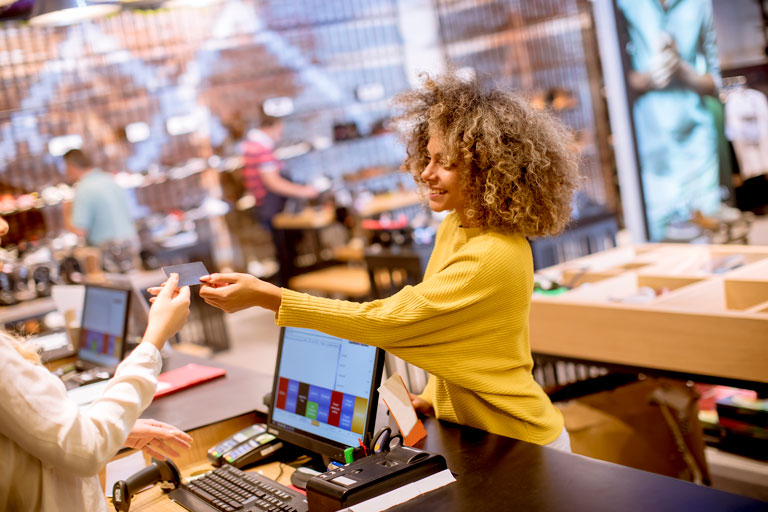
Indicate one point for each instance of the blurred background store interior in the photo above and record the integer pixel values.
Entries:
(163, 95)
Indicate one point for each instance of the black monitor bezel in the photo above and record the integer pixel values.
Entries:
(309, 441)
(138, 316)
(128, 292)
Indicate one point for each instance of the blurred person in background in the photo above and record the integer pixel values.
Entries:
(100, 213)
(52, 449)
(264, 177)
(263, 172)
(673, 53)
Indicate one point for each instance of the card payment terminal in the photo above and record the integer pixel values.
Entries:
(245, 447)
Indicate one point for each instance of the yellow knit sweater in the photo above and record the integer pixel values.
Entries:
(466, 324)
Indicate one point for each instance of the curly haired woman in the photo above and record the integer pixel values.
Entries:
(506, 172)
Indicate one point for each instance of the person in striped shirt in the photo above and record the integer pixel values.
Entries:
(263, 172)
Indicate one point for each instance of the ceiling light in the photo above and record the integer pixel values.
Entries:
(68, 12)
(278, 107)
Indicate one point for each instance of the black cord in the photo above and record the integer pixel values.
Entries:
(295, 463)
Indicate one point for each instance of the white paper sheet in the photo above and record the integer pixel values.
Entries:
(404, 493)
(121, 469)
(69, 301)
(395, 395)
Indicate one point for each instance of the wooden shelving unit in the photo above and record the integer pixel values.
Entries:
(701, 320)
(547, 52)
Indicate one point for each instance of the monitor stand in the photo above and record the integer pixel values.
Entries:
(307, 464)
(296, 456)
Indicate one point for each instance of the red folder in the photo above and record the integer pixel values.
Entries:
(185, 377)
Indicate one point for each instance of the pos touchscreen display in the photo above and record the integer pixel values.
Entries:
(324, 392)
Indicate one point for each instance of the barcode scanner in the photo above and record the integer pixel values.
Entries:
(161, 471)
(384, 439)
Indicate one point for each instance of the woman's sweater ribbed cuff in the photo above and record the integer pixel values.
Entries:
(292, 308)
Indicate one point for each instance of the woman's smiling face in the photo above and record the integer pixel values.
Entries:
(445, 192)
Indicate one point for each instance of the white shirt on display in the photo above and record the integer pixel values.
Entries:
(746, 126)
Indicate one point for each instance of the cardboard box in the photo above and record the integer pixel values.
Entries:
(629, 426)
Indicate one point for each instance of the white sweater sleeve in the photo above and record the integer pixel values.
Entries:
(36, 413)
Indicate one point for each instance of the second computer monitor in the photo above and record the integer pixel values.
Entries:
(103, 326)
(325, 391)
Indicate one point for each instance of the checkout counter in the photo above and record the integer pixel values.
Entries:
(492, 472)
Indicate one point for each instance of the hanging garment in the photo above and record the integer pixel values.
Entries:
(746, 126)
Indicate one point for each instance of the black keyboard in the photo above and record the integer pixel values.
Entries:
(228, 489)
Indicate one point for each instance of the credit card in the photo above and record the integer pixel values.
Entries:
(189, 273)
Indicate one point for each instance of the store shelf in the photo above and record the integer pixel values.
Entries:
(309, 218)
(24, 310)
(537, 47)
(389, 202)
(700, 323)
(530, 32)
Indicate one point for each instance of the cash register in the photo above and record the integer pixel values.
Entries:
(324, 403)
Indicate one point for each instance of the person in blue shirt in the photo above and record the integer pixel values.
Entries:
(100, 211)
(673, 53)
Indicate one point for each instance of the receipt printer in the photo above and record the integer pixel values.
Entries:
(370, 476)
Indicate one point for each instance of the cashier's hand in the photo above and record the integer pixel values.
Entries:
(422, 406)
(157, 439)
(234, 292)
(169, 311)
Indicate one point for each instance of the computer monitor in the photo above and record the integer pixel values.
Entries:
(138, 311)
(103, 326)
(324, 396)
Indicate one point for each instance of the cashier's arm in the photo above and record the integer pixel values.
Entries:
(234, 292)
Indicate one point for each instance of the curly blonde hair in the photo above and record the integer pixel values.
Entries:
(26, 351)
(518, 168)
